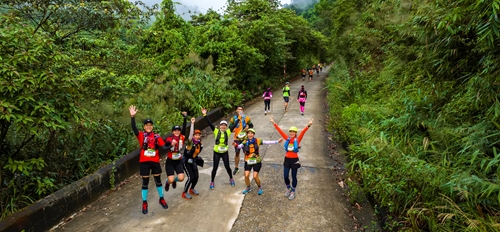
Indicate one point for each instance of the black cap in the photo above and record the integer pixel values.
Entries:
(176, 128)
(148, 120)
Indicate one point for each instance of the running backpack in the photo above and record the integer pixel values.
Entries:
(302, 94)
(243, 120)
(145, 142)
(267, 94)
(295, 145)
(255, 146)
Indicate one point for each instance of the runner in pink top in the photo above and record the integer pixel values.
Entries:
(267, 100)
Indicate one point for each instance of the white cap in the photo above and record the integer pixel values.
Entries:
(223, 122)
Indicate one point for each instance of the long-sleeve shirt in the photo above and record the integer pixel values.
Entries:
(291, 154)
(267, 96)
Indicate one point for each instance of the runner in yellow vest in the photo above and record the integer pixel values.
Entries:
(286, 95)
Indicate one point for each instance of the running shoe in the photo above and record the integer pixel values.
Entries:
(287, 193)
(302, 113)
(163, 203)
(212, 185)
(174, 185)
(144, 207)
(194, 192)
(167, 186)
(261, 191)
(265, 112)
(247, 190)
(186, 196)
(232, 182)
(236, 170)
(292, 195)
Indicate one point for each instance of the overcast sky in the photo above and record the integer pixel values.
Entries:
(203, 5)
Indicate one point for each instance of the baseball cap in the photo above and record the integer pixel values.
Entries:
(223, 122)
(197, 132)
(287, 83)
(293, 129)
(148, 120)
(176, 128)
(251, 130)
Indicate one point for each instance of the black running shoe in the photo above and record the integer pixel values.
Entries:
(167, 186)
(163, 203)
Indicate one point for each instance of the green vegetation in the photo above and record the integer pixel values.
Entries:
(415, 92)
(69, 69)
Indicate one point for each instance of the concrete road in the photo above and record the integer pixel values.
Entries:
(320, 203)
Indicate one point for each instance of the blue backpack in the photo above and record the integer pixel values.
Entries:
(243, 120)
(295, 145)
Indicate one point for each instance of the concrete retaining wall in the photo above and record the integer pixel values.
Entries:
(49, 211)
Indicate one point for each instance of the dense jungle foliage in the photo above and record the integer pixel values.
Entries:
(69, 69)
(415, 93)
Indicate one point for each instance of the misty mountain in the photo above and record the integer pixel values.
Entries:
(300, 5)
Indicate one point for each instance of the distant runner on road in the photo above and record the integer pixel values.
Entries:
(286, 95)
(252, 158)
(291, 162)
(301, 98)
(220, 148)
(267, 100)
(149, 158)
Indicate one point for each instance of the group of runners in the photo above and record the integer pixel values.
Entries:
(182, 154)
(316, 67)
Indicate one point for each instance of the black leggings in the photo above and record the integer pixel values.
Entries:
(225, 159)
(267, 104)
(191, 171)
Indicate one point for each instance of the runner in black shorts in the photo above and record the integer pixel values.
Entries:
(286, 95)
(149, 158)
(291, 162)
(252, 158)
(173, 162)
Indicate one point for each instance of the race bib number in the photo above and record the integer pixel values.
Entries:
(150, 153)
(252, 161)
(223, 148)
(176, 156)
(242, 135)
(290, 147)
(190, 161)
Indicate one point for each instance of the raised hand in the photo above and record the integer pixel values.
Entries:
(203, 111)
(132, 110)
(310, 122)
(174, 141)
(184, 113)
(193, 120)
(271, 120)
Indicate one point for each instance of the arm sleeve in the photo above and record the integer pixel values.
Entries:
(210, 123)
(302, 133)
(283, 135)
(233, 125)
(183, 131)
(250, 124)
(270, 142)
(191, 131)
(134, 126)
